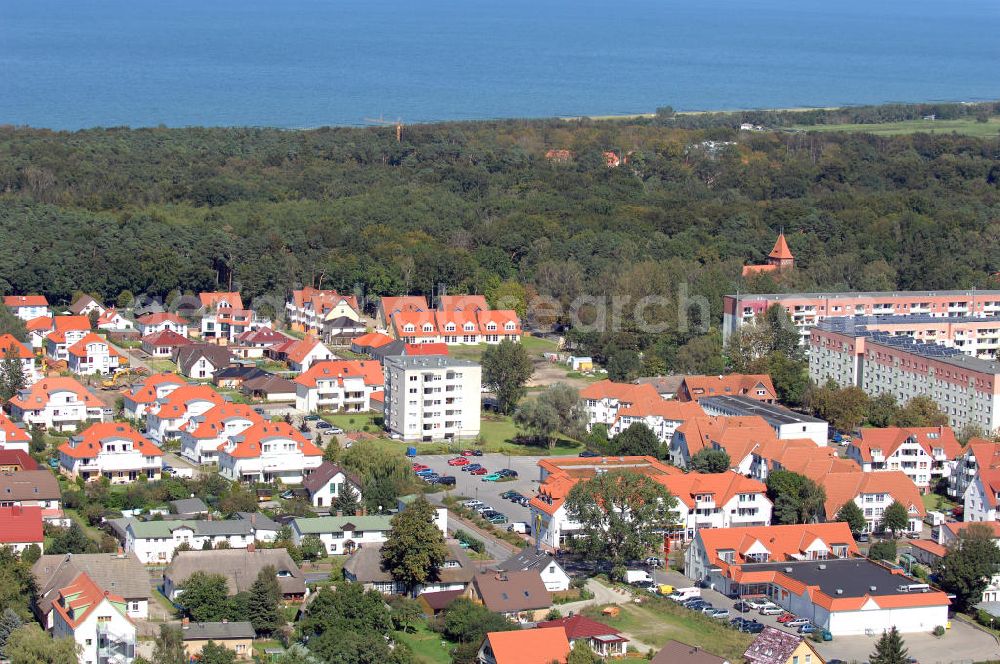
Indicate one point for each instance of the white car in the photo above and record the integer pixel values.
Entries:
(798, 622)
(771, 610)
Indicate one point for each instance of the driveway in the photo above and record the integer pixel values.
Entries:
(961, 644)
(472, 486)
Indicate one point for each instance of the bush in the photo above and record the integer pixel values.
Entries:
(475, 544)
(939, 630)
(883, 551)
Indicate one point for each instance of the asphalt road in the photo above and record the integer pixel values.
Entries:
(472, 486)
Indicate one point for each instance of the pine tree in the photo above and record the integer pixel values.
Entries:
(889, 649)
(12, 378)
(852, 515)
(9, 621)
(264, 603)
(346, 502)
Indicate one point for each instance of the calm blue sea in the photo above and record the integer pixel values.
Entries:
(301, 63)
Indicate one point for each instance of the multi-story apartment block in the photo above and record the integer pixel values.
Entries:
(754, 386)
(65, 332)
(432, 397)
(787, 424)
(27, 307)
(137, 398)
(269, 452)
(925, 454)
(338, 385)
(873, 493)
(93, 354)
(205, 433)
(808, 309)
(716, 500)
(965, 388)
(978, 455)
(166, 417)
(60, 403)
(225, 319)
(309, 309)
(111, 450)
(604, 399)
(662, 417)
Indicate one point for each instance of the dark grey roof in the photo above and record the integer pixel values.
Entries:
(189, 506)
(773, 414)
(217, 631)
(239, 566)
(325, 472)
(259, 520)
(527, 559)
(343, 323)
(269, 385)
(389, 350)
(241, 371)
(122, 575)
(663, 384)
(365, 565)
(218, 355)
(852, 577)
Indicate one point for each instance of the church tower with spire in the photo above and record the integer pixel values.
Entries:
(779, 260)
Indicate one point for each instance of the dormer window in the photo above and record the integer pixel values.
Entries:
(409, 327)
(508, 326)
(428, 327)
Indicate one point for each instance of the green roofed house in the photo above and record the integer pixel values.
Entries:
(155, 541)
(343, 534)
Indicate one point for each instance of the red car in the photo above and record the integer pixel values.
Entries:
(417, 467)
(458, 461)
(478, 471)
(468, 453)
(788, 617)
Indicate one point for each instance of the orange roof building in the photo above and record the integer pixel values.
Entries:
(717, 500)
(661, 416)
(92, 354)
(202, 435)
(12, 437)
(138, 397)
(388, 306)
(269, 452)
(799, 455)
(754, 386)
(111, 450)
(27, 307)
(300, 354)
(604, 399)
(815, 570)
(873, 493)
(56, 403)
(542, 645)
(923, 453)
(462, 303)
(978, 453)
(338, 385)
(779, 260)
(738, 436)
(309, 308)
(461, 319)
(95, 618)
(166, 417)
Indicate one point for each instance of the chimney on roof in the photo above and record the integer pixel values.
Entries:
(251, 547)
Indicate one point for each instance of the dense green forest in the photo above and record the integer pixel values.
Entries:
(477, 207)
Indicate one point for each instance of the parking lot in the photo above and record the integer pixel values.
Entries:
(473, 486)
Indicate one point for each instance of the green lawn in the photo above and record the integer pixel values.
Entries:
(92, 533)
(967, 126)
(658, 620)
(937, 502)
(498, 433)
(159, 366)
(428, 647)
(539, 345)
(353, 421)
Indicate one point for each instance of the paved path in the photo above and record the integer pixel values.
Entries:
(496, 549)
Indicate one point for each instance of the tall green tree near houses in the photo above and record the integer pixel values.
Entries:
(12, 378)
(895, 519)
(264, 603)
(216, 653)
(622, 515)
(415, 550)
(852, 515)
(169, 647)
(346, 502)
(889, 649)
(637, 440)
(709, 460)
(539, 418)
(796, 498)
(28, 644)
(506, 370)
(11, 324)
(9, 621)
(205, 597)
(969, 564)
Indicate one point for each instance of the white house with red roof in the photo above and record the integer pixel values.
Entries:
(13, 437)
(300, 354)
(164, 343)
(925, 454)
(873, 493)
(738, 436)
(415, 327)
(66, 331)
(137, 398)
(254, 344)
(27, 307)
(93, 354)
(328, 482)
(203, 434)
(662, 417)
(338, 385)
(309, 308)
(716, 500)
(496, 325)
(977, 454)
(388, 306)
(269, 452)
(20, 527)
(96, 619)
(982, 498)
(38, 328)
(113, 321)
(605, 398)
(166, 417)
(58, 403)
(752, 386)
(10, 345)
(225, 318)
(160, 321)
(603, 640)
(112, 450)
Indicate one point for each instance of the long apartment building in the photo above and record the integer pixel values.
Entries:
(965, 388)
(432, 397)
(808, 309)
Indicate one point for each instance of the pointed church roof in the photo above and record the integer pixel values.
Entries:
(781, 250)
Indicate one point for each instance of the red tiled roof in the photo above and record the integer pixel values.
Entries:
(301, 348)
(565, 472)
(213, 422)
(15, 301)
(530, 646)
(80, 598)
(737, 435)
(581, 627)
(930, 547)
(419, 319)
(88, 443)
(842, 487)
(890, 438)
(213, 299)
(462, 303)
(8, 342)
(781, 542)
(67, 323)
(20, 525)
(16, 457)
(39, 324)
(13, 433)
(146, 391)
(166, 338)
(697, 387)
(781, 250)
(721, 485)
(247, 445)
(162, 317)
(37, 396)
(391, 305)
(372, 340)
(626, 393)
(500, 317)
(958, 526)
(176, 403)
(990, 477)
(426, 349)
(322, 301)
(79, 349)
(263, 336)
(370, 370)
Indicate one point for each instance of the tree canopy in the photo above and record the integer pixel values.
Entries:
(415, 550)
(969, 564)
(796, 498)
(506, 370)
(709, 460)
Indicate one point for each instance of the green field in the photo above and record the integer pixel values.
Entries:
(933, 501)
(658, 620)
(428, 647)
(967, 126)
(353, 421)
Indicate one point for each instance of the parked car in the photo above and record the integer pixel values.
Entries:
(653, 561)
(510, 495)
(587, 454)
(753, 627)
(771, 610)
(478, 471)
(417, 467)
(472, 504)
(311, 418)
(425, 472)
(323, 424)
(787, 617)
(719, 614)
(756, 603)
(862, 537)
(697, 604)
(493, 477)
(431, 478)
(483, 507)
(742, 607)
(808, 628)
(498, 518)
(446, 480)
(708, 608)
(471, 467)
(458, 461)
(507, 472)
(468, 453)
(798, 622)
(912, 535)
(288, 494)
(337, 431)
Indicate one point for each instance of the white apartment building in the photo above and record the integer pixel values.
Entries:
(60, 403)
(269, 452)
(873, 493)
(604, 399)
(137, 398)
(787, 424)
(205, 433)
(97, 620)
(343, 534)
(432, 397)
(965, 388)
(92, 354)
(27, 307)
(982, 498)
(154, 542)
(338, 385)
(111, 450)
(161, 322)
(925, 454)
(166, 417)
(716, 500)
(309, 309)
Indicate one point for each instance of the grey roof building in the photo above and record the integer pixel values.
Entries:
(239, 566)
(188, 357)
(189, 507)
(217, 631)
(121, 574)
(365, 567)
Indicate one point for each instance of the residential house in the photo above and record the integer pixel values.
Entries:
(113, 321)
(233, 376)
(815, 570)
(20, 527)
(61, 404)
(528, 559)
(326, 483)
(802, 456)
(925, 454)
(754, 386)
(365, 567)
(203, 434)
(463, 326)
(12, 437)
(155, 542)
(201, 361)
(309, 309)
(189, 508)
(241, 567)
(433, 604)
(774, 646)
(338, 385)
(606, 642)
(949, 534)
(120, 573)
(65, 332)
(237, 636)
(660, 416)
(525, 646)
(269, 452)
(38, 329)
(137, 398)
(11, 346)
(432, 397)
(462, 303)
(254, 344)
(92, 354)
(111, 450)
(162, 322)
(33, 488)
(225, 319)
(96, 619)
(269, 388)
(364, 344)
(415, 327)
(27, 307)
(787, 424)
(518, 596)
(675, 652)
(716, 500)
(738, 436)
(84, 304)
(342, 331)
(978, 454)
(300, 354)
(665, 386)
(873, 493)
(14, 460)
(164, 344)
(604, 399)
(166, 416)
(982, 498)
(343, 534)
(389, 306)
